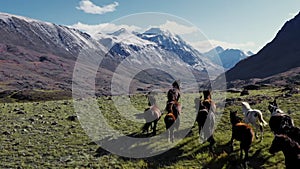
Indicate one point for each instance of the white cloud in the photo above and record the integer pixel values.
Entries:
(204, 46)
(89, 7)
(178, 29)
(93, 30)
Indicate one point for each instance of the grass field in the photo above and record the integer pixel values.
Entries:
(45, 134)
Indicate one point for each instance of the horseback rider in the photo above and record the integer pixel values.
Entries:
(207, 101)
(208, 123)
(173, 96)
(174, 93)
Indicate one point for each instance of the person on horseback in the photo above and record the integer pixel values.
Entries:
(174, 93)
(173, 109)
(206, 118)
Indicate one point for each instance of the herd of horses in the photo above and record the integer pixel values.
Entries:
(286, 134)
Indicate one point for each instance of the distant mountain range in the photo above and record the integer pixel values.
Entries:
(227, 58)
(41, 55)
(276, 63)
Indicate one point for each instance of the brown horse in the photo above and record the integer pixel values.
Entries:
(172, 118)
(243, 133)
(290, 149)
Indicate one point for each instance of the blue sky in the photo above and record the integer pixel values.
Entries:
(247, 25)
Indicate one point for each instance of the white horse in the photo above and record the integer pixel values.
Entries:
(251, 116)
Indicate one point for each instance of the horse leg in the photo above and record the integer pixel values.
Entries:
(241, 152)
(172, 134)
(261, 132)
(245, 161)
(256, 131)
(146, 127)
(169, 135)
(154, 127)
(212, 142)
(232, 138)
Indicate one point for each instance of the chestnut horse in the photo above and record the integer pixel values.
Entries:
(243, 133)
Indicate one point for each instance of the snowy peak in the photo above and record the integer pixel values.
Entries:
(9, 18)
(43, 36)
(228, 57)
(120, 32)
(157, 31)
(218, 49)
(121, 37)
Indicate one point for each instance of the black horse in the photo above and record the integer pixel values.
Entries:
(279, 120)
(206, 119)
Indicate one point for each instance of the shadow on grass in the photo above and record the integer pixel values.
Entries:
(231, 159)
(223, 157)
(166, 158)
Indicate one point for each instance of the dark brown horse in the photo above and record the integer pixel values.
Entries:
(278, 119)
(206, 119)
(172, 118)
(290, 149)
(292, 132)
(243, 133)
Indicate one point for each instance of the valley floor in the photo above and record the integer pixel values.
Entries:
(48, 134)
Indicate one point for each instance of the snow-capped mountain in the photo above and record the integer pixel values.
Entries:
(43, 36)
(226, 58)
(123, 44)
(37, 54)
(121, 36)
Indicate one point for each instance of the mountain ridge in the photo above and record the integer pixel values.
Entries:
(276, 57)
(38, 55)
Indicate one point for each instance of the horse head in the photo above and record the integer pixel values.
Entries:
(234, 119)
(272, 106)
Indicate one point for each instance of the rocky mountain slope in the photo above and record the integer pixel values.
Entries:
(273, 62)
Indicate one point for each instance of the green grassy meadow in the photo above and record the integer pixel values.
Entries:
(44, 134)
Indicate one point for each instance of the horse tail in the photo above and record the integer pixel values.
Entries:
(261, 119)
